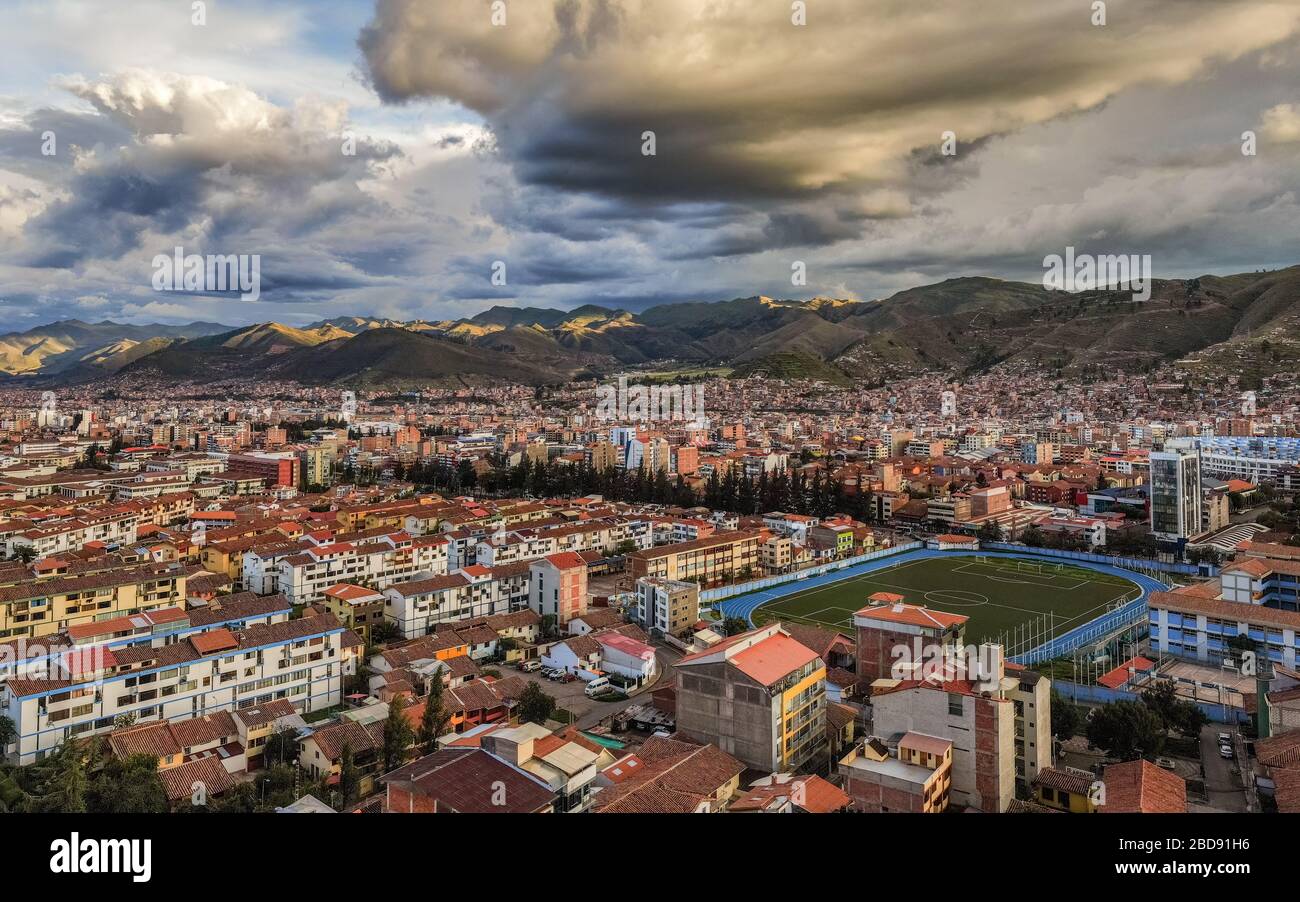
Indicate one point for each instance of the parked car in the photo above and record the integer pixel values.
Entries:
(530, 666)
(1225, 751)
(1225, 739)
(556, 675)
(598, 686)
(1166, 763)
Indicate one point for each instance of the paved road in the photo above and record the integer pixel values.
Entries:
(588, 713)
(1222, 781)
(665, 658)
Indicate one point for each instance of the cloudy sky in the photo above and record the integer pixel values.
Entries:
(382, 156)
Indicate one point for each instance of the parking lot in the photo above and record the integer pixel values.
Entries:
(588, 712)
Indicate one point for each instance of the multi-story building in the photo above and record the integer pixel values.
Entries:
(1175, 495)
(39, 607)
(714, 559)
(1031, 698)
(378, 562)
(914, 778)
(1255, 603)
(558, 586)
(417, 606)
(978, 716)
(776, 554)
(1254, 459)
(180, 676)
(760, 696)
(667, 606)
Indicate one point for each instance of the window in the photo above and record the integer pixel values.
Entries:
(954, 704)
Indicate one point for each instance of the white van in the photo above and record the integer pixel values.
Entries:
(598, 686)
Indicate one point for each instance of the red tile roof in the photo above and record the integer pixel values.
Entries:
(911, 614)
(1139, 787)
(773, 658)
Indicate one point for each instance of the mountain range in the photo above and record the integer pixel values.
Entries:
(958, 326)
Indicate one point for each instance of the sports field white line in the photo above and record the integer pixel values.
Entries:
(773, 609)
(1049, 582)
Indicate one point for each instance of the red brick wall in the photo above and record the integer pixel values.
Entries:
(402, 802)
(872, 797)
(986, 753)
(876, 651)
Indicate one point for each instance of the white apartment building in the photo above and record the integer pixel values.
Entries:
(303, 661)
(476, 591)
(530, 544)
(381, 562)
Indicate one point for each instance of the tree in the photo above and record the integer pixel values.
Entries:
(1127, 730)
(1032, 536)
(1066, 718)
(349, 777)
(1175, 713)
(534, 706)
(8, 733)
(434, 720)
(398, 735)
(281, 746)
(733, 626)
(128, 785)
(384, 632)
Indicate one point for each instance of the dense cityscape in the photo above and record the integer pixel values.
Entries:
(849, 408)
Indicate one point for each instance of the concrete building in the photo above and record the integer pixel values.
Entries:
(558, 586)
(1175, 495)
(914, 778)
(667, 606)
(760, 696)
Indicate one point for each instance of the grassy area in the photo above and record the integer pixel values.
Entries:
(997, 594)
(322, 714)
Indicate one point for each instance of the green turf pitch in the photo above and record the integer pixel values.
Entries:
(997, 594)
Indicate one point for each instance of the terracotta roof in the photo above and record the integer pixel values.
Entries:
(467, 780)
(332, 739)
(810, 794)
(1139, 787)
(1120, 675)
(1280, 751)
(265, 713)
(1020, 806)
(209, 771)
(773, 658)
(1188, 603)
(154, 739)
(911, 614)
(675, 777)
(1286, 791)
(1065, 780)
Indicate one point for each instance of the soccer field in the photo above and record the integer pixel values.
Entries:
(998, 594)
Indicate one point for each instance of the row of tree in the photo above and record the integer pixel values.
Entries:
(795, 492)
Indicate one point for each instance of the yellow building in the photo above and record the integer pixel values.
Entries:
(49, 606)
(760, 696)
(1067, 789)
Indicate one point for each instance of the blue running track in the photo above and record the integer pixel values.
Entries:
(744, 606)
